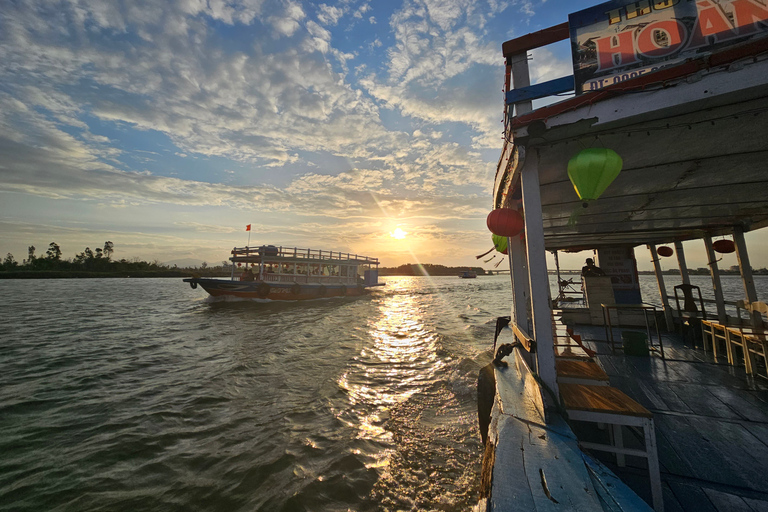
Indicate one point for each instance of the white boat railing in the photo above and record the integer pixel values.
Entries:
(311, 279)
(269, 252)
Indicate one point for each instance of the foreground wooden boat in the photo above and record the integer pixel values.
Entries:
(281, 273)
(679, 91)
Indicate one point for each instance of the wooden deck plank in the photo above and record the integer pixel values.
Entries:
(759, 430)
(756, 505)
(645, 395)
(725, 501)
(666, 391)
(580, 370)
(670, 461)
(702, 402)
(747, 405)
(701, 459)
(735, 448)
(692, 497)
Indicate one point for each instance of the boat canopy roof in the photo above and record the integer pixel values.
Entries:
(693, 139)
(272, 253)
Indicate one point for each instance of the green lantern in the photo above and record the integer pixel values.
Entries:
(500, 243)
(592, 170)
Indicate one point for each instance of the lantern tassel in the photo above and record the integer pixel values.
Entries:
(575, 214)
(489, 259)
(486, 253)
(499, 263)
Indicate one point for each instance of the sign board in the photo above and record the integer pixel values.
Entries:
(620, 265)
(621, 39)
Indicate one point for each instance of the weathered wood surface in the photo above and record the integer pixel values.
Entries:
(538, 465)
(711, 423)
(580, 370)
(582, 397)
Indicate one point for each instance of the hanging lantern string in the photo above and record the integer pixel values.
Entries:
(486, 253)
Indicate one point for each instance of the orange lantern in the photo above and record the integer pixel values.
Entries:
(505, 222)
(665, 251)
(724, 246)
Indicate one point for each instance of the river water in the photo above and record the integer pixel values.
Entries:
(142, 394)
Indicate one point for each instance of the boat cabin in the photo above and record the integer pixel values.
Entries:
(273, 264)
(668, 104)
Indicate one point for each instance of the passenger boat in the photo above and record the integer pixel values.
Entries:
(289, 273)
(468, 274)
(570, 421)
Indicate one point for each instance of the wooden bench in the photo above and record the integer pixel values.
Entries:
(580, 372)
(605, 404)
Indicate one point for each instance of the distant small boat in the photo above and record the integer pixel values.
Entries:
(469, 274)
(282, 273)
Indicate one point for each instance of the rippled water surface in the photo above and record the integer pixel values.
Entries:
(140, 394)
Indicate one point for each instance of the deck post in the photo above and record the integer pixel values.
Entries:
(518, 272)
(520, 78)
(541, 304)
(680, 253)
(662, 290)
(717, 287)
(746, 272)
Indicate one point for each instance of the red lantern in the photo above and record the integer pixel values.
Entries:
(665, 251)
(505, 222)
(724, 246)
(239, 264)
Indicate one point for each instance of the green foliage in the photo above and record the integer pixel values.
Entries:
(9, 262)
(98, 262)
(53, 252)
(427, 269)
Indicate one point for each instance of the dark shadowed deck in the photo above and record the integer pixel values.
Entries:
(711, 424)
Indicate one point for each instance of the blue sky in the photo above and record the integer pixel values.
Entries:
(167, 126)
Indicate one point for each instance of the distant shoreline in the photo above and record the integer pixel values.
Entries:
(180, 273)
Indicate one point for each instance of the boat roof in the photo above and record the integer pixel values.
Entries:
(693, 139)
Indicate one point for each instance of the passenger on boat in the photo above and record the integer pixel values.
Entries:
(247, 275)
(590, 270)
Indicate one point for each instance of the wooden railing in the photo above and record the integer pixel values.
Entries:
(270, 252)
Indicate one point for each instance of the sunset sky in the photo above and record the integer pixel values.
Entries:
(167, 126)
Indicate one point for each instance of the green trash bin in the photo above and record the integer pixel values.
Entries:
(635, 343)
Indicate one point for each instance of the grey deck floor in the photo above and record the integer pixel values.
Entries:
(711, 425)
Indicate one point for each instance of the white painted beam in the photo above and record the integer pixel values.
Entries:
(662, 288)
(541, 303)
(717, 286)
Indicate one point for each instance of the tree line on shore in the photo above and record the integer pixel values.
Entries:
(97, 261)
(410, 269)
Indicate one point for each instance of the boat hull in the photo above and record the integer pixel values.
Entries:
(273, 291)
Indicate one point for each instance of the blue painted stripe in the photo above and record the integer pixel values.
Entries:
(542, 90)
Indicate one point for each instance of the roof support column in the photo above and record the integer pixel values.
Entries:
(662, 290)
(717, 287)
(746, 272)
(680, 253)
(541, 304)
(520, 78)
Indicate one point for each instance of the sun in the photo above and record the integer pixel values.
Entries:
(398, 233)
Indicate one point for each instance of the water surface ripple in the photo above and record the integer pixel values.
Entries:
(139, 394)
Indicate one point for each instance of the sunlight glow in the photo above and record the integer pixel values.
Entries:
(398, 233)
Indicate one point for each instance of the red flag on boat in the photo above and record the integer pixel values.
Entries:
(248, 227)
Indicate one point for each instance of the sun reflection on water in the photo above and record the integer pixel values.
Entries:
(401, 360)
